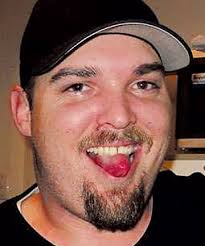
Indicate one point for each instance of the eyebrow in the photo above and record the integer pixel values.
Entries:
(88, 72)
(148, 68)
(85, 72)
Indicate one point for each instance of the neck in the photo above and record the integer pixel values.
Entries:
(60, 227)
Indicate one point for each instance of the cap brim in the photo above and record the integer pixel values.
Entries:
(173, 51)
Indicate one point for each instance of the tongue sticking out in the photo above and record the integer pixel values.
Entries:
(116, 165)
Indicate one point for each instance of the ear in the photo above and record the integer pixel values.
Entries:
(21, 110)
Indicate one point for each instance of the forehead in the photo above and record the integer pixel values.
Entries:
(112, 48)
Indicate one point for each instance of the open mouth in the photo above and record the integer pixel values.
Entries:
(116, 161)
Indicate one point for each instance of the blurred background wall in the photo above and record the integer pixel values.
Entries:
(185, 16)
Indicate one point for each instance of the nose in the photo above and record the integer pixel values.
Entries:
(116, 112)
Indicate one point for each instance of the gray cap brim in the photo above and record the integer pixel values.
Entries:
(173, 51)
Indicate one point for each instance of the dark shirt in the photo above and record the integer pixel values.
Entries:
(178, 215)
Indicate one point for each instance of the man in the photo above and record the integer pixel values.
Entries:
(94, 104)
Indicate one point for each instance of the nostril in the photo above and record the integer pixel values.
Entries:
(116, 115)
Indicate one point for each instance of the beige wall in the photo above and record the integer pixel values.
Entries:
(185, 16)
(13, 155)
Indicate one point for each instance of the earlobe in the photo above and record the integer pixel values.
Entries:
(21, 110)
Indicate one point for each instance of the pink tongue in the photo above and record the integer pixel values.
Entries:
(117, 165)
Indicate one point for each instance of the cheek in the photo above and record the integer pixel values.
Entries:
(73, 119)
(156, 117)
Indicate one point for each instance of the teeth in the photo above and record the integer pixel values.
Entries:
(99, 151)
(113, 151)
(123, 150)
(126, 150)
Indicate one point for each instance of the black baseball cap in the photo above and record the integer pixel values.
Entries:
(56, 28)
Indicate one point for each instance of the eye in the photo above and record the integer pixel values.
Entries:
(145, 85)
(77, 88)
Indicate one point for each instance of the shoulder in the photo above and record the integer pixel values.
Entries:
(178, 209)
(182, 191)
(169, 180)
(11, 218)
(14, 228)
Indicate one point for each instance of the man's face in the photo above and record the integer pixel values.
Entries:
(100, 129)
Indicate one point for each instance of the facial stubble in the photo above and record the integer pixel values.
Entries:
(116, 210)
(113, 210)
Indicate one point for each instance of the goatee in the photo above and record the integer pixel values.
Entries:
(116, 210)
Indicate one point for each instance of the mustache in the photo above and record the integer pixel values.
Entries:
(133, 134)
